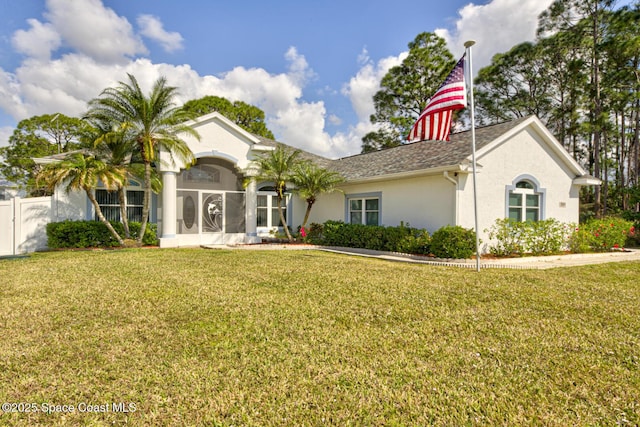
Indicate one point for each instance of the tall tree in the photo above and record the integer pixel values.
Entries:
(311, 180)
(247, 116)
(278, 166)
(81, 171)
(39, 136)
(587, 19)
(568, 79)
(622, 84)
(514, 85)
(405, 90)
(154, 122)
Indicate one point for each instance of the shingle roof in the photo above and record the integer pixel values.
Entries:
(319, 160)
(411, 157)
(419, 155)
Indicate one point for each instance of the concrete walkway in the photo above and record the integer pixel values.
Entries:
(533, 262)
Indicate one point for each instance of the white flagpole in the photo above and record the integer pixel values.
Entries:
(467, 46)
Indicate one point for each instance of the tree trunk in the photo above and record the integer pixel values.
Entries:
(122, 198)
(146, 201)
(101, 217)
(597, 112)
(307, 212)
(282, 218)
(636, 151)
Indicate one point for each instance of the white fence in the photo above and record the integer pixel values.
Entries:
(23, 224)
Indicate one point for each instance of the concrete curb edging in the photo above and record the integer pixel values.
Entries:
(521, 263)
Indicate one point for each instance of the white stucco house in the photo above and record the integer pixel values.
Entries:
(523, 172)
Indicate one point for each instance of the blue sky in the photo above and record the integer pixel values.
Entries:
(312, 66)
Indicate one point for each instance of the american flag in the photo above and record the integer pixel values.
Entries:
(435, 120)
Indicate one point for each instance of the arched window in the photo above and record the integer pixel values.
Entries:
(525, 200)
(210, 174)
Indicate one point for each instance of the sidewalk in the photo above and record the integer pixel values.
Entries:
(534, 262)
(524, 263)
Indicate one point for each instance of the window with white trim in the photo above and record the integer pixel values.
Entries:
(524, 202)
(267, 214)
(364, 210)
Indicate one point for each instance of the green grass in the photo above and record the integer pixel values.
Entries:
(306, 338)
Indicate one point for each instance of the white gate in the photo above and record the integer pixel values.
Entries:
(23, 224)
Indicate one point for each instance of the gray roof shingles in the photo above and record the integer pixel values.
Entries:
(410, 157)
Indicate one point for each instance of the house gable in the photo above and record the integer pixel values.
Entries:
(541, 135)
(219, 138)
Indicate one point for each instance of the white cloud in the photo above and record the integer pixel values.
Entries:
(496, 27)
(334, 120)
(94, 30)
(5, 133)
(66, 84)
(104, 47)
(299, 70)
(151, 27)
(10, 96)
(361, 88)
(38, 41)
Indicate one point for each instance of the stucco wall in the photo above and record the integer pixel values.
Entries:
(433, 201)
(217, 139)
(424, 202)
(70, 206)
(523, 155)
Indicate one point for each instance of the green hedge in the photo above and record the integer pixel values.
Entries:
(88, 234)
(402, 238)
(453, 242)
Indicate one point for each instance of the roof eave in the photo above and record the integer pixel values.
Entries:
(460, 168)
(587, 180)
(44, 160)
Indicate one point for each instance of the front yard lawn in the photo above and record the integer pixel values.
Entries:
(272, 338)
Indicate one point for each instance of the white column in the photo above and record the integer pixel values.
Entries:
(251, 206)
(168, 237)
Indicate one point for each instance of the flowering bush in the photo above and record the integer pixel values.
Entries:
(602, 235)
(580, 240)
(531, 237)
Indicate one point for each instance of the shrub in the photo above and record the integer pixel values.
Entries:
(150, 234)
(580, 241)
(79, 234)
(634, 236)
(453, 242)
(314, 233)
(531, 237)
(88, 234)
(546, 237)
(602, 235)
(507, 234)
(418, 242)
(402, 238)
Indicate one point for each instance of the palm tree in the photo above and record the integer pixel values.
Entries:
(112, 147)
(152, 122)
(277, 166)
(311, 181)
(81, 171)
